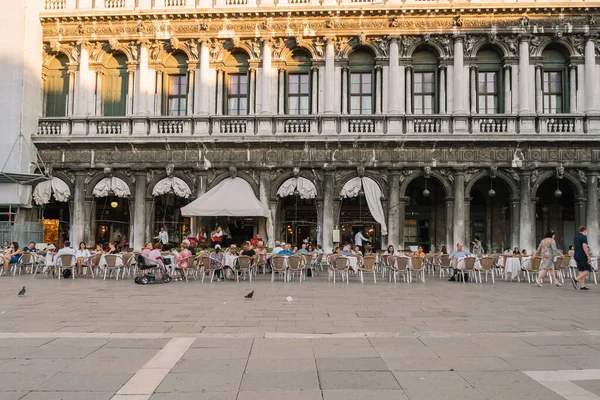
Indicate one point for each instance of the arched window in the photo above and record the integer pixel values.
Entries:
(489, 81)
(362, 87)
(554, 81)
(56, 87)
(238, 84)
(176, 84)
(114, 93)
(425, 94)
(298, 84)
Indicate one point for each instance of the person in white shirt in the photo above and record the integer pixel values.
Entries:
(66, 249)
(81, 254)
(163, 237)
(277, 249)
(358, 239)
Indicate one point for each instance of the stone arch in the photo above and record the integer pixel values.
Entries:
(285, 176)
(114, 47)
(315, 49)
(355, 45)
(173, 54)
(70, 51)
(240, 174)
(499, 47)
(89, 187)
(561, 44)
(578, 189)
(184, 177)
(429, 45)
(377, 178)
(445, 182)
(512, 185)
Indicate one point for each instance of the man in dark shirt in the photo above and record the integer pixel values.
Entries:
(582, 258)
(247, 250)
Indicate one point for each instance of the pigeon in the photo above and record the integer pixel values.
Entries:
(22, 292)
(289, 299)
(249, 295)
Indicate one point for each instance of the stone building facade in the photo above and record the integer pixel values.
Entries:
(482, 120)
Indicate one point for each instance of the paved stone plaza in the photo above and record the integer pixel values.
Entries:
(100, 340)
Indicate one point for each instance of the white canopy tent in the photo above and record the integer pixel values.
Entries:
(43, 192)
(373, 195)
(232, 197)
(114, 185)
(306, 188)
(174, 185)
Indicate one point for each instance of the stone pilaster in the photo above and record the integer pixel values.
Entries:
(328, 217)
(459, 207)
(526, 219)
(450, 245)
(393, 88)
(395, 219)
(201, 97)
(263, 190)
(79, 221)
(591, 80)
(592, 212)
(139, 216)
(524, 74)
(267, 78)
(329, 77)
(514, 206)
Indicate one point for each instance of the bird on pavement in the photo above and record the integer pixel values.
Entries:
(249, 295)
(22, 292)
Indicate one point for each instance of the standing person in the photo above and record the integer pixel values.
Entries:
(548, 250)
(358, 239)
(477, 245)
(583, 259)
(202, 237)
(216, 236)
(163, 237)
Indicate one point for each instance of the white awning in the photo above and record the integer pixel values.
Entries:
(107, 186)
(372, 194)
(306, 188)
(232, 197)
(172, 185)
(43, 192)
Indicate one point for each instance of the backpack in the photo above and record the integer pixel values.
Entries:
(67, 273)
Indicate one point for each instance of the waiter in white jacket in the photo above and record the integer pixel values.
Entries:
(358, 240)
(163, 237)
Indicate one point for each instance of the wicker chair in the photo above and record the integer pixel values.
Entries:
(368, 266)
(296, 264)
(66, 261)
(399, 265)
(445, 264)
(278, 265)
(341, 266)
(417, 265)
(487, 266)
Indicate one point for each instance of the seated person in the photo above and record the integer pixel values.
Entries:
(286, 250)
(455, 256)
(152, 255)
(30, 248)
(357, 250)
(216, 261)
(303, 249)
(419, 252)
(12, 256)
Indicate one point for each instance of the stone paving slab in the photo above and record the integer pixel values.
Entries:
(332, 342)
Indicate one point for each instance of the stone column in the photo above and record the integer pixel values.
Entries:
(140, 99)
(526, 220)
(401, 89)
(580, 211)
(139, 217)
(315, 90)
(378, 88)
(573, 107)
(592, 212)
(459, 207)
(459, 82)
(203, 80)
(513, 205)
(507, 99)
(401, 215)
(467, 236)
(442, 89)
(220, 87)
(393, 88)
(72, 92)
(90, 236)
(409, 89)
(281, 94)
(473, 89)
(267, 77)
(328, 217)
(590, 76)
(329, 77)
(539, 104)
(201, 187)
(395, 219)
(264, 191)
(251, 95)
(130, 89)
(192, 68)
(524, 74)
(450, 244)
(345, 94)
(319, 204)
(276, 230)
(98, 107)
(79, 221)
(82, 84)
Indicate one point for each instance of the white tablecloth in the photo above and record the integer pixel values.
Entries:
(353, 263)
(229, 260)
(595, 264)
(512, 267)
(119, 262)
